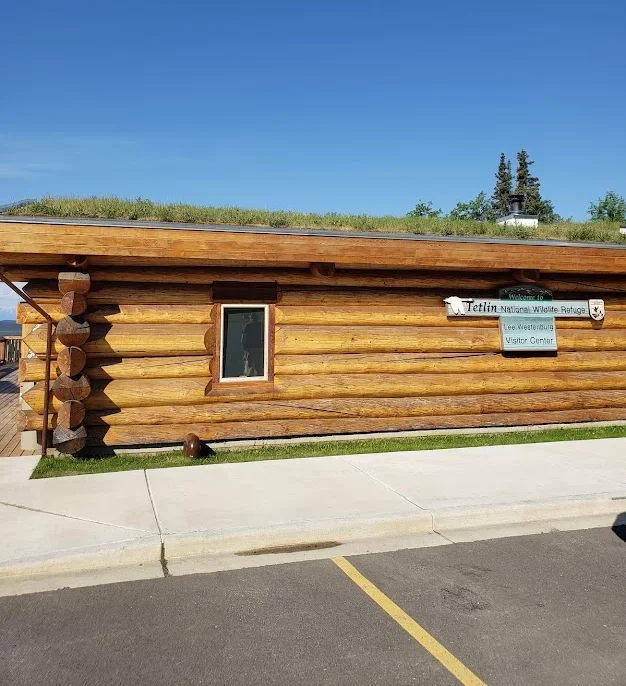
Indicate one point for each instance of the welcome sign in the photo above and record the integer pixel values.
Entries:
(527, 315)
(492, 307)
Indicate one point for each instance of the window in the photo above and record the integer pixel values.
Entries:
(244, 343)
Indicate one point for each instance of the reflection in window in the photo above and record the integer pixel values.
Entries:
(244, 342)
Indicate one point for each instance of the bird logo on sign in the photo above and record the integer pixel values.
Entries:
(457, 305)
(596, 309)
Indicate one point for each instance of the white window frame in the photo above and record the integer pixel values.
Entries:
(266, 339)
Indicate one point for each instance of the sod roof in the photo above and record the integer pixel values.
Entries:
(113, 209)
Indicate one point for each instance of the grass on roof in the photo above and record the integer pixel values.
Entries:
(140, 209)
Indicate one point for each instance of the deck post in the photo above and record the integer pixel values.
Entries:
(49, 332)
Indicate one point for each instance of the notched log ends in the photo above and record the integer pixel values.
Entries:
(71, 388)
(78, 261)
(69, 441)
(323, 269)
(73, 331)
(71, 361)
(71, 414)
(73, 303)
(74, 281)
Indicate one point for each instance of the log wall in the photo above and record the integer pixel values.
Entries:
(349, 357)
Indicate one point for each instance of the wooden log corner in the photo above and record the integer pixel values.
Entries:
(71, 414)
(67, 388)
(527, 275)
(323, 269)
(78, 282)
(73, 331)
(77, 261)
(69, 441)
(71, 361)
(73, 303)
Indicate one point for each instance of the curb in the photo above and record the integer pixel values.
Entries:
(454, 524)
(180, 546)
(469, 523)
(602, 510)
(136, 551)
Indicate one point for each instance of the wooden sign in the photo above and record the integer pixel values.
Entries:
(527, 315)
(495, 307)
(528, 334)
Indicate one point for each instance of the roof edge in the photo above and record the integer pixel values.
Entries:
(287, 231)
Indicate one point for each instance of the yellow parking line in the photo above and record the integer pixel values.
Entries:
(432, 645)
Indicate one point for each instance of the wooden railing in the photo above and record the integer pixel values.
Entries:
(10, 349)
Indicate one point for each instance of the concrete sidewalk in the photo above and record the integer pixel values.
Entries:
(129, 525)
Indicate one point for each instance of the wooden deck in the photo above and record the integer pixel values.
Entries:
(9, 405)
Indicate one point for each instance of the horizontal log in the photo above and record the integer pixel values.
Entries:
(363, 407)
(28, 420)
(174, 433)
(433, 314)
(33, 369)
(408, 297)
(114, 293)
(415, 315)
(235, 248)
(343, 408)
(442, 363)
(197, 297)
(337, 297)
(287, 296)
(153, 392)
(298, 340)
(370, 278)
(108, 395)
(123, 314)
(107, 340)
(293, 340)
(358, 315)
(391, 278)
(419, 385)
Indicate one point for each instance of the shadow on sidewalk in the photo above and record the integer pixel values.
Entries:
(619, 526)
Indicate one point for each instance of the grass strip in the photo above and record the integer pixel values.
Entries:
(67, 466)
(146, 210)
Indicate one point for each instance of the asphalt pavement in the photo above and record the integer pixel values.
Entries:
(545, 610)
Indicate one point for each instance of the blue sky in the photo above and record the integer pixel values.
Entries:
(316, 106)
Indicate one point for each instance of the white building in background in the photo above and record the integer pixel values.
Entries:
(516, 216)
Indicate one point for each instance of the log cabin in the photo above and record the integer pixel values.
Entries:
(233, 332)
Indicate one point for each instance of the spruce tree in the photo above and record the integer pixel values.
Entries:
(530, 186)
(526, 183)
(500, 197)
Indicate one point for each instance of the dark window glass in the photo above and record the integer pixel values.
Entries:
(243, 347)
